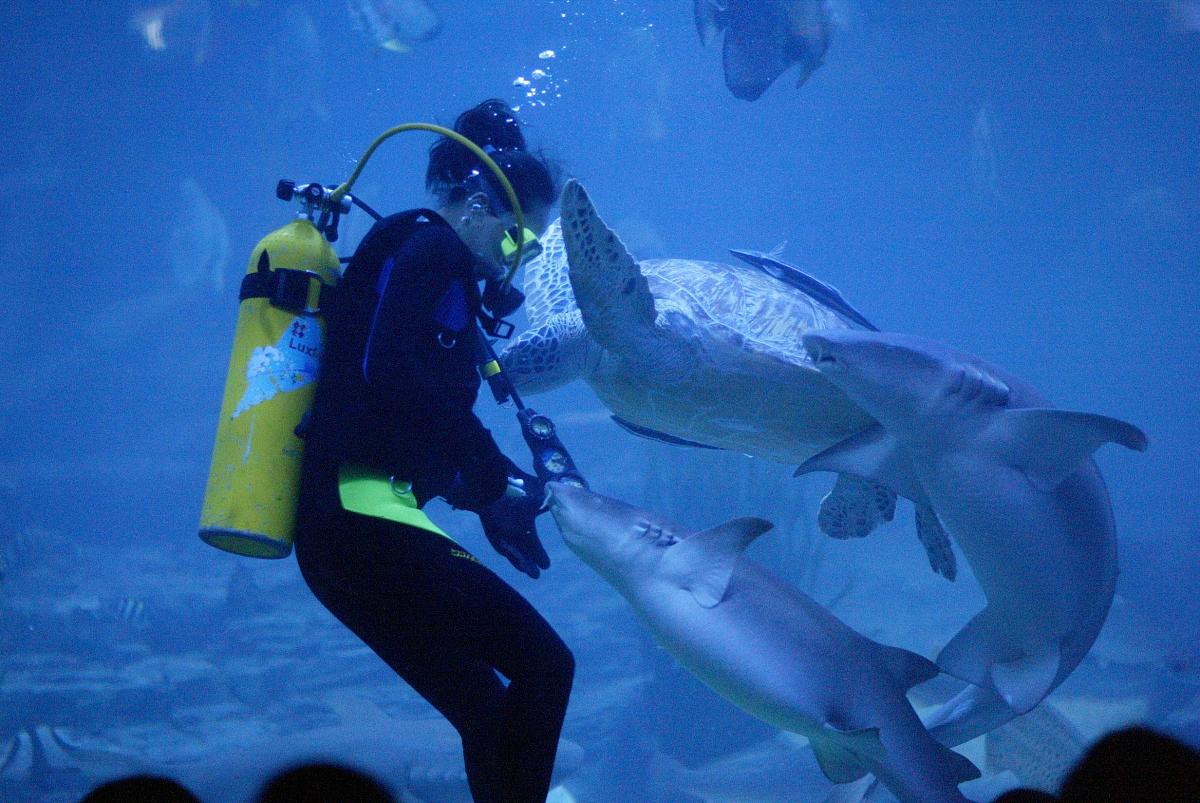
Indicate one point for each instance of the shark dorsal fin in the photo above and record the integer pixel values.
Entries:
(874, 455)
(1049, 445)
(703, 562)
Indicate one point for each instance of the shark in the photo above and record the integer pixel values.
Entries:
(1011, 478)
(764, 645)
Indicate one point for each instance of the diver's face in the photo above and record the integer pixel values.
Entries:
(483, 230)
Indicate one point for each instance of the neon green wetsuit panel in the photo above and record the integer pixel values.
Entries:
(373, 493)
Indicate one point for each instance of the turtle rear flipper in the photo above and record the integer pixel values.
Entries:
(855, 507)
(936, 542)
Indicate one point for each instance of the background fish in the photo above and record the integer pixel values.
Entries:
(198, 246)
(296, 69)
(764, 39)
(182, 26)
(395, 24)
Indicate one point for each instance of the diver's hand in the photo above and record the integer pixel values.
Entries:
(509, 525)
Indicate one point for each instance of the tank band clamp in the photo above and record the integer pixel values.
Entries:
(286, 288)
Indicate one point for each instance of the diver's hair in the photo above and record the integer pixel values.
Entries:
(492, 126)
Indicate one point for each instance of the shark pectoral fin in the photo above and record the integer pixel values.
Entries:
(1025, 682)
(840, 754)
(703, 563)
(874, 455)
(1049, 445)
(908, 668)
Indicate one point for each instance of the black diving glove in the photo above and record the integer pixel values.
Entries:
(509, 524)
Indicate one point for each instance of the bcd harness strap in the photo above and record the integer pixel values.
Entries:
(298, 291)
(303, 291)
(372, 493)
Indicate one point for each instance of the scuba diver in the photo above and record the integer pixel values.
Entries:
(392, 427)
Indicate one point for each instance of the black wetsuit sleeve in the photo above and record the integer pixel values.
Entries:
(425, 290)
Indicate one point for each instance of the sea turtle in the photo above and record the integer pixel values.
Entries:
(698, 353)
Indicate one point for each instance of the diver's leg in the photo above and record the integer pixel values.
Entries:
(442, 621)
(540, 668)
(481, 624)
(387, 584)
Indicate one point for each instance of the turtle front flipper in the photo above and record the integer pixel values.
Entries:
(552, 354)
(613, 295)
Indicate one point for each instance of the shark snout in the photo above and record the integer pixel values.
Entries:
(571, 507)
(560, 494)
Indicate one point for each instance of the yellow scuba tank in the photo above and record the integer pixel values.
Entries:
(253, 484)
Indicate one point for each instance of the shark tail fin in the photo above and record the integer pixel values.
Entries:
(908, 668)
(840, 754)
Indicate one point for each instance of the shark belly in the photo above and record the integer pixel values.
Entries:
(750, 649)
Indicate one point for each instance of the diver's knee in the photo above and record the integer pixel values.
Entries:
(560, 662)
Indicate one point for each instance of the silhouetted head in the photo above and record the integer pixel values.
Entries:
(472, 198)
(141, 789)
(321, 783)
(1135, 764)
(1026, 796)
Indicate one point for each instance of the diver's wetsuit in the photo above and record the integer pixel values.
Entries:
(395, 397)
